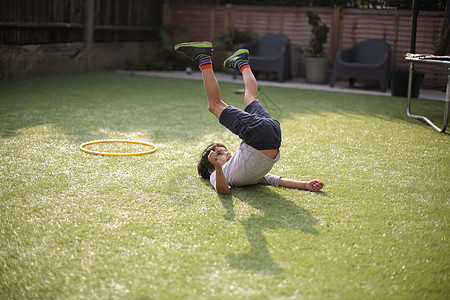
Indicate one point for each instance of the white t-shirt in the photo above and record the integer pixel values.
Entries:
(248, 166)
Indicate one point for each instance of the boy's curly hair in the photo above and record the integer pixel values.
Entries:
(204, 165)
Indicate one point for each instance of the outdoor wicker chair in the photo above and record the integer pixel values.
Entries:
(270, 53)
(367, 60)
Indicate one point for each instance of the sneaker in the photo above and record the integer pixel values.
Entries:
(239, 55)
(194, 49)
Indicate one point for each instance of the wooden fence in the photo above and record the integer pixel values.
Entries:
(347, 26)
(58, 21)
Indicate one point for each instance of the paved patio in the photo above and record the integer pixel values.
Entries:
(341, 86)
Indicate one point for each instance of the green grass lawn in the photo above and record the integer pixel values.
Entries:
(82, 226)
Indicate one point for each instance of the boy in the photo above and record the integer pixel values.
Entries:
(260, 133)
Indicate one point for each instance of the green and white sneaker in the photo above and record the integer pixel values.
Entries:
(232, 62)
(194, 49)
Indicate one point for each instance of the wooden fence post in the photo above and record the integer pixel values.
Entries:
(335, 32)
(228, 17)
(166, 14)
(212, 21)
(89, 32)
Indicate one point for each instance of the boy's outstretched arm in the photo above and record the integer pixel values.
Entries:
(313, 185)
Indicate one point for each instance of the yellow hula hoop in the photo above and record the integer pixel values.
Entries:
(153, 149)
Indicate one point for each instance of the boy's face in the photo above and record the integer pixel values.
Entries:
(223, 155)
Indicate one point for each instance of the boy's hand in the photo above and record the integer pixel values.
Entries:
(213, 158)
(221, 182)
(314, 185)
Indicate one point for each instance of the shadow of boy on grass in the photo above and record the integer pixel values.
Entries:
(278, 213)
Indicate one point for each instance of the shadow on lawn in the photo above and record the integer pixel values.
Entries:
(278, 213)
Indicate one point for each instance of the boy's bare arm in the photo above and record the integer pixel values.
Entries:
(313, 185)
(222, 186)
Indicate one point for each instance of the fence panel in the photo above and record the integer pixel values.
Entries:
(200, 22)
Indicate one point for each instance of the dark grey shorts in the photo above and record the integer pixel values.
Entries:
(253, 125)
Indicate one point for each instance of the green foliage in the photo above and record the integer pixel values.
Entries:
(234, 38)
(166, 41)
(81, 226)
(319, 35)
(166, 60)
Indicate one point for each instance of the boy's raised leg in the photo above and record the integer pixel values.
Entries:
(239, 61)
(251, 86)
(215, 103)
(201, 53)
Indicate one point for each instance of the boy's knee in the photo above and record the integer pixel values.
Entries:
(216, 108)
